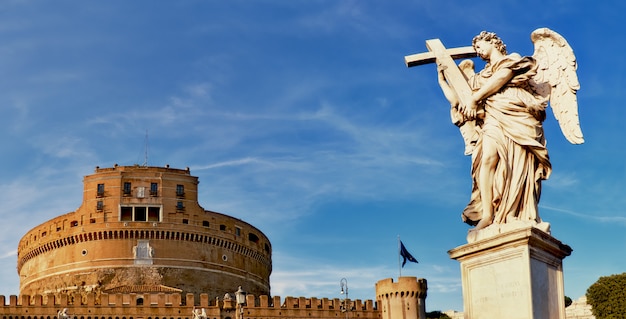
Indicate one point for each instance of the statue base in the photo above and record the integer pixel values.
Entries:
(515, 274)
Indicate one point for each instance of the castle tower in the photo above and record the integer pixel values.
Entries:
(405, 299)
(140, 230)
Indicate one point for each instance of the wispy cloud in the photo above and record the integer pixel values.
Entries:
(565, 180)
(236, 162)
(311, 277)
(8, 254)
(589, 217)
(60, 145)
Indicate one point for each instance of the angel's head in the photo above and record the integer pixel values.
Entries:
(491, 38)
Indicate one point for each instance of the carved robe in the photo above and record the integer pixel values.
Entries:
(513, 120)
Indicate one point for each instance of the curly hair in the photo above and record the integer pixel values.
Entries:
(492, 38)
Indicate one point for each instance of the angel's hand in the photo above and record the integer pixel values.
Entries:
(440, 69)
(469, 110)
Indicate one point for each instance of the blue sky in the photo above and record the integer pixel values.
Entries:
(301, 118)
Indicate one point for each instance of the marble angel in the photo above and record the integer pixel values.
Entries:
(502, 123)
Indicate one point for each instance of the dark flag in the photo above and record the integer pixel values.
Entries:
(406, 255)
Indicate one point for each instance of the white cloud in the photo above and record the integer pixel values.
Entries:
(618, 218)
(235, 162)
(9, 254)
(311, 277)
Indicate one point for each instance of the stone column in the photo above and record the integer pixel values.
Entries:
(517, 274)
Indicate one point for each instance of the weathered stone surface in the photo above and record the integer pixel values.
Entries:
(143, 227)
(515, 275)
(403, 299)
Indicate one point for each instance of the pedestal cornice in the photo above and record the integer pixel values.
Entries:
(529, 235)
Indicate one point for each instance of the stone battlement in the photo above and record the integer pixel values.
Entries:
(405, 298)
(405, 287)
(122, 168)
(167, 305)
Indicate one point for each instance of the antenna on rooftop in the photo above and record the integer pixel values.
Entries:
(145, 159)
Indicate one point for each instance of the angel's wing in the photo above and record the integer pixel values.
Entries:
(556, 79)
(467, 67)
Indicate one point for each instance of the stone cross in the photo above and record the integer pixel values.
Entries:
(445, 59)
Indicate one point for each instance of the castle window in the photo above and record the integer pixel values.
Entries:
(100, 205)
(154, 214)
(237, 231)
(222, 227)
(205, 223)
(126, 213)
(127, 188)
(140, 213)
(154, 189)
(100, 190)
(253, 238)
(179, 205)
(74, 223)
(185, 221)
(180, 190)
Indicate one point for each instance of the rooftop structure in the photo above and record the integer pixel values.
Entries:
(141, 230)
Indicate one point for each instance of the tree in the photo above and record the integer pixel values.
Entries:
(606, 297)
(568, 301)
(436, 315)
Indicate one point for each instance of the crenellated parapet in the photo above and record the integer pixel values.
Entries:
(405, 299)
(174, 306)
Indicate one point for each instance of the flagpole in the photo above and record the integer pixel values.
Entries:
(399, 267)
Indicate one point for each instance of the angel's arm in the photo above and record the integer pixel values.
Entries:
(499, 79)
(447, 90)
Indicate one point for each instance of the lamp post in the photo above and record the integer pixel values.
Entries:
(343, 283)
(240, 297)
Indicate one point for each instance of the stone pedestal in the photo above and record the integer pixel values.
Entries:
(517, 274)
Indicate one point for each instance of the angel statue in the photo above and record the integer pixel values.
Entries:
(198, 313)
(62, 314)
(501, 123)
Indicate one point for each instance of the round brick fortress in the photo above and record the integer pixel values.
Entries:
(141, 230)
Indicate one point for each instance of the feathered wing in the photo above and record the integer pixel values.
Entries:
(557, 81)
